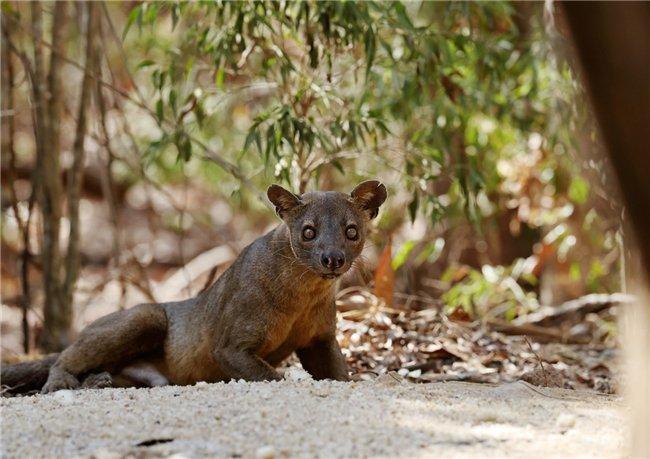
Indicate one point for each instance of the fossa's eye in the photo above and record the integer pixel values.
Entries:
(351, 233)
(308, 233)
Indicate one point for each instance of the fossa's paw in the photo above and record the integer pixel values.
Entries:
(98, 381)
(58, 380)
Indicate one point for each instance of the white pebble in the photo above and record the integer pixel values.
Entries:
(106, 454)
(296, 374)
(64, 397)
(566, 421)
(265, 452)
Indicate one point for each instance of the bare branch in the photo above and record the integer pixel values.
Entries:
(75, 173)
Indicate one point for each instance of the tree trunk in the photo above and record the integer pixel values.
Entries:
(612, 40)
(47, 99)
(8, 150)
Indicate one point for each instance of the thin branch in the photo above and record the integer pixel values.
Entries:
(108, 187)
(118, 42)
(75, 173)
(38, 39)
(8, 125)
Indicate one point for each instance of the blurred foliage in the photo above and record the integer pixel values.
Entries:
(451, 89)
(493, 289)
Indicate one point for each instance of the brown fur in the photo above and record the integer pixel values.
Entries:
(277, 298)
(27, 376)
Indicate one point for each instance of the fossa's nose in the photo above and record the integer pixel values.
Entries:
(332, 260)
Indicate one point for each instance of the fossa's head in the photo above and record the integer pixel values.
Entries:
(327, 228)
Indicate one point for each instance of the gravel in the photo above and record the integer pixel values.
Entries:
(300, 417)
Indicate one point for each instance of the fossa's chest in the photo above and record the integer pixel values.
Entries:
(294, 331)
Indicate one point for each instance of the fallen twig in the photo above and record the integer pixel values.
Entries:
(539, 333)
(584, 305)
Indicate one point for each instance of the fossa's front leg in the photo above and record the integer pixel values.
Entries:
(323, 359)
(242, 363)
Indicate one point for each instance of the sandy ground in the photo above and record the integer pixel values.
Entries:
(382, 418)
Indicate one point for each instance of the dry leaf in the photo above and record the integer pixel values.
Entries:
(385, 276)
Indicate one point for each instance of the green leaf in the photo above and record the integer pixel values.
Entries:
(578, 190)
(160, 110)
(313, 51)
(431, 252)
(270, 143)
(145, 63)
(402, 255)
(338, 166)
(175, 9)
(258, 141)
(370, 46)
(184, 146)
(221, 74)
(150, 12)
(402, 16)
(199, 112)
(172, 100)
(158, 79)
(253, 136)
(134, 16)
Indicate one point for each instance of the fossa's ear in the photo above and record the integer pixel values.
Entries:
(369, 196)
(283, 200)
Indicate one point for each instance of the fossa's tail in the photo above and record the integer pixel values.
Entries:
(17, 378)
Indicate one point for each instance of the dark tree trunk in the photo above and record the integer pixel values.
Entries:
(47, 99)
(9, 153)
(613, 45)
